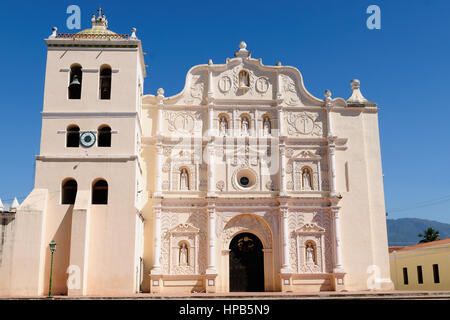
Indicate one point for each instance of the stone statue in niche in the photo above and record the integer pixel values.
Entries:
(310, 256)
(184, 179)
(244, 126)
(306, 179)
(223, 126)
(183, 259)
(266, 126)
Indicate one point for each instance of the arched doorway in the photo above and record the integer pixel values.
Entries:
(246, 263)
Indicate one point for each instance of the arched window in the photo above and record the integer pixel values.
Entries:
(105, 83)
(75, 80)
(73, 137)
(100, 192)
(69, 191)
(104, 136)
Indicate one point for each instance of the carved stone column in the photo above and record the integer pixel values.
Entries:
(280, 122)
(158, 173)
(160, 97)
(211, 170)
(332, 169)
(211, 272)
(156, 240)
(285, 266)
(282, 168)
(211, 239)
(337, 234)
(331, 145)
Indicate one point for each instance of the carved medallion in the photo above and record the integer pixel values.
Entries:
(225, 84)
(262, 84)
(181, 122)
(220, 185)
(304, 123)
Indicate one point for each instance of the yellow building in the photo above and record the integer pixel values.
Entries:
(424, 266)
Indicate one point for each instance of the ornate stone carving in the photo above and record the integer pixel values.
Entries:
(310, 250)
(174, 234)
(220, 185)
(290, 185)
(247, 223)
(270, 185)
(225, 84)
(289, 91)
(196, 90)
(289, 168)
(166, 167)
(262, 84)
(181, 122)
(303, 123)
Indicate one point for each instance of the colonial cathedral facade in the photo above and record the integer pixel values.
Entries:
(243, 181)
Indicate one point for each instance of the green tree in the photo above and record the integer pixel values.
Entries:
(429, 235)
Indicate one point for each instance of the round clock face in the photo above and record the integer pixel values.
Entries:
(87, 139)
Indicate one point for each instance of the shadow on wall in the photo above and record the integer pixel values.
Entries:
(7, 219)
(61, 259)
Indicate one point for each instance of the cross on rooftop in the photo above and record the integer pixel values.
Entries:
(100, 10)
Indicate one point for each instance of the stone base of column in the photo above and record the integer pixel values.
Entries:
(155, 282)
(285, 270)
(211, 275)
(338, 281)
(286, 282)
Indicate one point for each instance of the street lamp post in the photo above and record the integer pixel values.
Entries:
(52, 245)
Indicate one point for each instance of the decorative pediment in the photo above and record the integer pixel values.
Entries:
(306, 155)
(241, 78)
(310, 228)
(184, 228)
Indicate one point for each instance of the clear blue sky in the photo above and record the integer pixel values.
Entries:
(404, 67)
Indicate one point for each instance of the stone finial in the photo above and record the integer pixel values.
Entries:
(242, 50)
(2, 207)
(53, 35)
(357, 99)
(355, 84)
(328, 100)
(278, 64)
(14, 205)
(133, 33)
(160, 92)
(99, 22)
(210, 62)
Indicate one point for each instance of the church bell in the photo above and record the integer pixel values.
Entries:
(75, 81)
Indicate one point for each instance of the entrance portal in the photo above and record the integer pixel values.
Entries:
(246, 263)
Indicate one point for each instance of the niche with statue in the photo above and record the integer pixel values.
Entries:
(310, 248)
(184, 249)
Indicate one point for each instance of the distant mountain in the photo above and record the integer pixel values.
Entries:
(403, 232)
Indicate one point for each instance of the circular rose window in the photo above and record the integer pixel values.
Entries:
(245, 178)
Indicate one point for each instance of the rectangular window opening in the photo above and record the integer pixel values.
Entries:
(405, 275)
(419, 275)
(436, 273)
